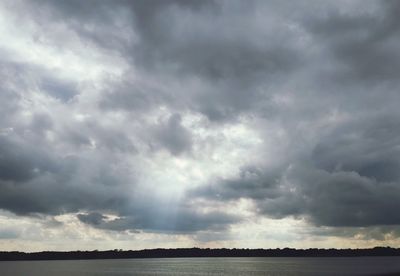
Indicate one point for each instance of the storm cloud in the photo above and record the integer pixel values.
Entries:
(159, 116)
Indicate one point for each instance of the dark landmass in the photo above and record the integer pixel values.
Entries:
(197, 252)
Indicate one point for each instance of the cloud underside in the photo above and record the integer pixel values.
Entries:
(159, 115)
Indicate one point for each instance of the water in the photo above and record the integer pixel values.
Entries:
(207, 266)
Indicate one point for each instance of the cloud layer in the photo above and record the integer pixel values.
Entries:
(159, 116)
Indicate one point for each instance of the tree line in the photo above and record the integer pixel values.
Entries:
(196, 252)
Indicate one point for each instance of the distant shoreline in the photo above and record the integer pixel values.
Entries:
(196, 253)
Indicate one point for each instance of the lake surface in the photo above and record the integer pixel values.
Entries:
(207, 266)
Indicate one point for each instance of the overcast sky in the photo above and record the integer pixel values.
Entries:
(142, 124)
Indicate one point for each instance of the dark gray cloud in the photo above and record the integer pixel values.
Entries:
(252, 182)
(367, 146)
(315, 82)
(132, 96)
(184, 220)
(214, 45)
(350, 179)
(18, 163)
(329, 199)
(59, 89)
(363, 43)
(173, 136)
(92, 218)
(343, 199)
(178, 41)
(58, 191)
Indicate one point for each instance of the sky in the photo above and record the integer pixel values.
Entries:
(147, 124)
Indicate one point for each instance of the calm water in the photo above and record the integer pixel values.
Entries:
(208, 266)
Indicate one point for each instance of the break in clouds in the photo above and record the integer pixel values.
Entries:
(165, 116)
